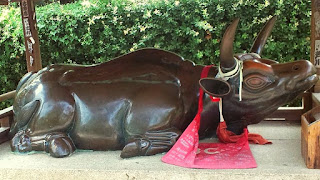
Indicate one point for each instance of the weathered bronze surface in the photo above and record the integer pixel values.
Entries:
(141, 102)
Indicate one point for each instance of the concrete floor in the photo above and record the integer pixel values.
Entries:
(281, 160)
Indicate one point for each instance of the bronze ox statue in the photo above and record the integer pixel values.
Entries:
(141, 102)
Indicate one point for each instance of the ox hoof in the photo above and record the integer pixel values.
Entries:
(21, 142)
(59, 147)
(135, 148)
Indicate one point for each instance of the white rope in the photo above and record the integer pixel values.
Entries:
(226, 76)
(230, 74)
(255, 55)
(241, 80)
(237, 70)
(220, 110)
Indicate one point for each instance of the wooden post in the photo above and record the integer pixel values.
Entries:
(315, 38)
(30, 32)
(33, 57)
(31, 38)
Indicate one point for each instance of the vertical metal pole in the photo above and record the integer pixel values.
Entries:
(31, 38)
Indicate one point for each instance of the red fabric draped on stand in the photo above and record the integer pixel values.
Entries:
(232, 153)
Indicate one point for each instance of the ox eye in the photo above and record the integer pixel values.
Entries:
(256, 82)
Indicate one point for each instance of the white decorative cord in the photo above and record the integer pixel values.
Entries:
(237, 70)
(220, 110)
(255, 55)
(241, 80)
(226, 76)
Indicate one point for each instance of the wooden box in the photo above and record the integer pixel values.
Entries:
(310, 138)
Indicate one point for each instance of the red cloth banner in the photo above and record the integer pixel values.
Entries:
(232, 153)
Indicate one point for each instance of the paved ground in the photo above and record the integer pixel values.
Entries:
(281, 160)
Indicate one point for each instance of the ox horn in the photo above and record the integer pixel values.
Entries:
(227, 61)
(261, 39)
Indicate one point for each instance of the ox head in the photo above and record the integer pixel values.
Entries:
(252, 87)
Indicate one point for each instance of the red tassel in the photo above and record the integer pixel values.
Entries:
(227, 136)
(257, 139)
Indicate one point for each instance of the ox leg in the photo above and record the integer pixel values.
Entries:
(57, 144)
(153, 142)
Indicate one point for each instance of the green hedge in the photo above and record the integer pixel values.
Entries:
(95, 31)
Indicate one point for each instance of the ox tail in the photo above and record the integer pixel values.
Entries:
(24, 115)
(24, 112)
(24, 79)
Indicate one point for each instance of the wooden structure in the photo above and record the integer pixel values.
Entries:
(6, 117)
(310, 121)
(293, 113)
(31, 38)
(315, 39)
(33, 59)
(28, 16)
(310, 134)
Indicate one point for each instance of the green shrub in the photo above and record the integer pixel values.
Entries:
(95, 31)
(12, 59)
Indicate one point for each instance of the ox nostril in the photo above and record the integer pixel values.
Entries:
(296, 67)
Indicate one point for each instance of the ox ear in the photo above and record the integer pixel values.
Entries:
(215, 87)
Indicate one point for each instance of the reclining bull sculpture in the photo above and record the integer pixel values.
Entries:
(141, 102)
